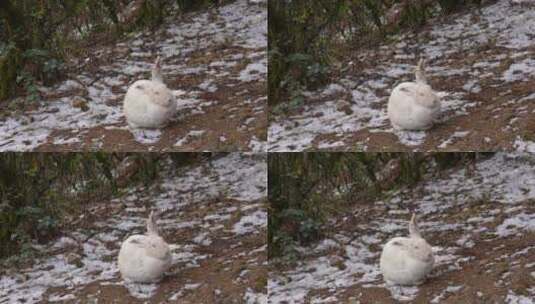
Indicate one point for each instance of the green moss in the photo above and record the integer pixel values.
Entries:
(260, 284)
(151, 14)
(9, 60)
(190, 5)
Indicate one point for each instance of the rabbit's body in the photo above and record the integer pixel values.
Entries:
(144, 258)
(149, 103)
(407, 260)
(413, 105)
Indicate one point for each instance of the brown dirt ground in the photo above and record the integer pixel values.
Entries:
(215, 121)
(492, 271)
(229, 256)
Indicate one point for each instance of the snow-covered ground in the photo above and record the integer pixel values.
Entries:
(215, 62)
(480, 62)
(480, 222)
(212, 215)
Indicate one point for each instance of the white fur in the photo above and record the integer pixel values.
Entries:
(407, 261)
(145, 258)
(149, 103)
(413, 105)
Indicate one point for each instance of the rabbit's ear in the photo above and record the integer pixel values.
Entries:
(419, 72)
(151, 224)
(157, 70)
(414, 231)
(421, 64)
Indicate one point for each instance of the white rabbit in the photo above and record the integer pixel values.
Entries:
(406, 261)
(149, 103)
(145, 258)
(413, 105)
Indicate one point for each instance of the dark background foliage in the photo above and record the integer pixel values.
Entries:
(42, 194)
(37, 36)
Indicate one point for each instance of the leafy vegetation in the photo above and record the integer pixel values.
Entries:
(41, 193)
(36, 37)
(35, 189)
(307, 37)
(305, 188)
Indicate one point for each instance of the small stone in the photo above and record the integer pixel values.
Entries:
(81, 103)
(74, 259)
(344, 106)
